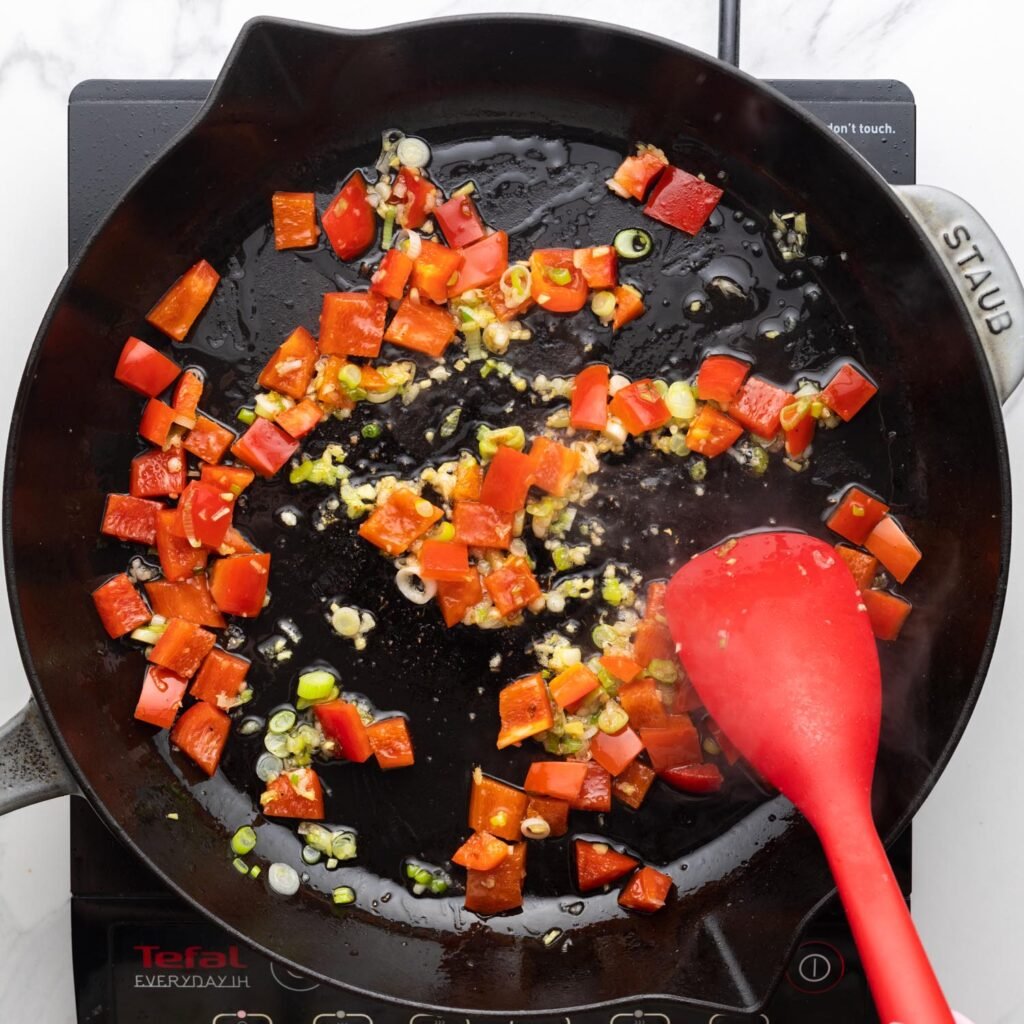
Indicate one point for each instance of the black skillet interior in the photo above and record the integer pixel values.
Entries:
(297, 108)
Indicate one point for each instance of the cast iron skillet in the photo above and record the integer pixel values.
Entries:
(298, 106)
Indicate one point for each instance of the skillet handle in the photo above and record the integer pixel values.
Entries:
(991, 291)
(31, 768)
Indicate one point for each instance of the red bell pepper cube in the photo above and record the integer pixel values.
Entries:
(572, 685)
(444, 560)
(556, 283)
(525, 710)
(295, 224)
(129, 518)
(189, 599)
(676, 743)
(641, 700)
(698, 779)
(599, 265)
(712, 432)
(208, 440)
(421, 327)
(495, 298)
(294, 794)
(481, 526)
(481, 852)
(349, 220)
(561, 779)
(229, 479)
(143, 369)
(798, 427)
(221, 679)
(624, 669)
(119, 606)
(204, 515)
(632, 784)
(589, 408)
(634, 175)
(264, 447)
(391, 277)
(720, 378)
(187, 393)
(235, 543)
(507, 480)
(639, 407)
(848, 392)
(554, 466)
(391, 743)
(598, 865)
(156, 474)
(856, 515)
(889, 543)
(182, 303)
(403, 518)
(500, 889)
(433, 268)
(415, 196)
(343, 726)
(682, 201)
(202, 733)
(614, 753)
(456, 598)
(178, 559)
(290, 369)
(469, 478)
(863, 567)
(653, 641)
(758, 406)
(647, 891)
(329, 392)
(496, 807)
(513, 586)
(554, 812)
(301, 419)
(182, 647)
(483, 263)
(239, 584)
(596, 792)
(352, 324)
(162, 692)
(157, 420)
(886, 612)
(459, 221)
(629, 304)
(654, 601)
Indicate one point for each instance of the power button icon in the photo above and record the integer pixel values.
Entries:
(817, 967)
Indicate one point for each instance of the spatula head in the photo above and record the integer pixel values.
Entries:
(773, 634)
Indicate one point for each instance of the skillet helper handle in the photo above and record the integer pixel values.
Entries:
(31, 768)
(989, 287)
(729, 32)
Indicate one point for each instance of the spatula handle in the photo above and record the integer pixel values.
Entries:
(901, 978)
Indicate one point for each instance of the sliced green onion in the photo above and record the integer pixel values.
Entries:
(283, 879)
(558, 275)
(300, 473)
(388, 233)
(246, 416)
(269, 764)
(344, 895)
(602, 305)
(343, 846)
(240, 866)
(313, 685)
(305, 702)
(276, 744)
(608, 682)
(311, 855)
(603, 635)
(371, 431)
(350, 375)
(562, 558)
(410, 871)
(612, 718)
(612, 592)
(504, 437)
(450, 423)
(422, 876)
(255, 871)
(662, 670)
(680, 401)
(677, 445)
(446, 531)
(438, 886)
(698, 471)
(243, 841)
(282, 721)
(632, 243)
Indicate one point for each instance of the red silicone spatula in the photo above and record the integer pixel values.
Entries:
(772, 632)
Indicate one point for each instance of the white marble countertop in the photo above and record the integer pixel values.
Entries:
(963, 64)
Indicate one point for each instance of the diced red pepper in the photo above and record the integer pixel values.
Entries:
(157, 420)
(415, 196)
(391, 277)
(572, 685)
(642, 702)
(301, 419)
(886, 613)
(421, 327)
(554, 812)
(483, 263)
(623, 668)
(492, 892)
(615, 752)
(182, 647)
(235, 543)
(639, 407)
(161, 696)
(647, 891)
(682, 201)
(513, 586)
(391, 743)
(598, 865)
(157, 474)
(758, 406)
(290, 369)
(444, 560)
(672, 744)
(496, 807)
(295, 224)
(712, 432)
(120, 607)
(209, 440)
(481, 526)
(495, 298)
(557, 284)
(329, 392)
(202, 733)
(182, 303)
(653, 642)
(229, 479)
(554, 466)
(460, 221)
(481, 852)
(599, 265)
(525, 710)
(178, 559)
(129, 518)
(589, 409)
(561, 779)
(456, 598)
(469, 478)
(654, 600)
(294, 794)
(239, 584)
(720, 378)
(187, 393)
(596, 792)
(507, 480)
(188, 599)
(629, 304)
(698, 779)
(889, 543)
(403, 518)
(204, 515)
(863, 567)
(342, 723)
(631, 785)
(221, 679)
(352, 324)
(350, 220)
(798, 426)
(856, 515)
(848, 392)
(634, 175)
(433, 268)
(143, 369)
(264, 447)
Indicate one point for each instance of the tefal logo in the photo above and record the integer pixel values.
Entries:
(190, 958)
